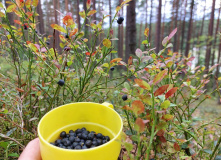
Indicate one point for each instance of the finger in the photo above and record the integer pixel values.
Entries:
(31, 151)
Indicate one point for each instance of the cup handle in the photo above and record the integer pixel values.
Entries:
(108, 105)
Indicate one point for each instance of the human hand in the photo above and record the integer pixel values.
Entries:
(31, 151)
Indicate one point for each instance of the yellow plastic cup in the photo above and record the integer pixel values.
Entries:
(101, 118)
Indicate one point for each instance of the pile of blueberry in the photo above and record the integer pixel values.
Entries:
(80, 139)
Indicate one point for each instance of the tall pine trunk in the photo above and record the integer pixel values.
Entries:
(56, 37)
(66, 6)
(120, 35)
(210, 34)
(183, 27)
(130, 30)
(201, 33)
(176, 19)
(10, 15)
(86, 28)
(189, 30)
(164, 15)
(78, 16)
(216, 34)
(40, 18)
(158, 27)
(150, 25)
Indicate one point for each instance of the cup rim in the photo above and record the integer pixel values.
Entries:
(85, 150)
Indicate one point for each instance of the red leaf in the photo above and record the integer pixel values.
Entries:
(159, 76)
(138, 107)
(68, 20)
(73, 32)
(163, 139)
(18, 22)
(126, 108)
(142, 84)
(140, 123)
(130, 60)
(88, 4)
(19, 89)
(172, 34)
(171, 92)
(176, 146)
(115, 60)
(161, 90)
(160, 133)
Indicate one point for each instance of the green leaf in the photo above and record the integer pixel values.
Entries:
(13, 155)
(107, 43)
(4, 144)
(165, 104)
(208, 151)
(126, 85)
(128, 147)
(145, 42)
(135, 138)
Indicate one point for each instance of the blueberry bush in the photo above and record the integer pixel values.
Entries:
(157, 94)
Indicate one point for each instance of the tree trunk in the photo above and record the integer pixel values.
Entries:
(86, 28)
(151, 8)
(216, 34)
(158, 27)
(130, 30)
(40, 18)
(189, 30)
(55, 2)
(78, 16)
(183, 27)
(10, 15)
(201, 33)
(210, 34)
(94, 8)
(120, 35)
(176, 19)
(66, 6)
(140, 34)
(164, 15)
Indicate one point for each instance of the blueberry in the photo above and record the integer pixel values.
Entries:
(69, 147)
(78, 131)
(94, 139)
(99, 141)
(72, 134)
(71, 131)
(52, 143)
(67, 135)
(112, 68)
(74, 144)
(82, 140)
(71, 139)
(92, 132)
(83, 129)
(78, 147)
(61, 83)
(88, 143)
(36, 31)
(48, 43)
(93, 146)
(84, 147)
(57, 142)
(85, 132)
(120, 20)
(124, 97)
(104, 141)
(63, 140)
(90, 136)
(67, 48)
(107, 138)
(81, 143)
(99, 136)
(205, 128)
(84, 136)
(66, 36)
(94, 143)
(77, 140)
(25, 27)
(63, 133)
(79, 135)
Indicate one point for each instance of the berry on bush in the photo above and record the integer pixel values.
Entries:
(124, 97)
(66, 36)
(61, 83)
(112, 68)
(120, 20)
(80, 139)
